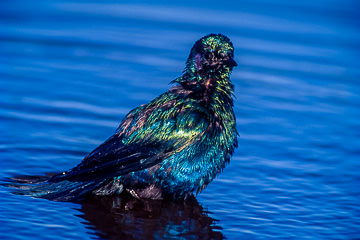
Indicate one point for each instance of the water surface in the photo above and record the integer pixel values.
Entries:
(71, 70)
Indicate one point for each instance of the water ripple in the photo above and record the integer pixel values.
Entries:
(71, 70)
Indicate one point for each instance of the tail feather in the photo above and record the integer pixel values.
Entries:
(41, 187)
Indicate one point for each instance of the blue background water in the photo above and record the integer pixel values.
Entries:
(71, 70)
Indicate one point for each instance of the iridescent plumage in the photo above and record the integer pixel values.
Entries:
(169, 148)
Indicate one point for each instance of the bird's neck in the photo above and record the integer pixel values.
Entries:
(213, 88)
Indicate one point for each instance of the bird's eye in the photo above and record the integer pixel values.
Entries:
(208, 55)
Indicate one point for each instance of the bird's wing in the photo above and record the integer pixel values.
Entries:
(147, 135)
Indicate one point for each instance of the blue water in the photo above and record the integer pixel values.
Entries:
(71, 70)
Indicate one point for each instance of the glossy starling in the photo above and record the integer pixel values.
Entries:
(169, 148)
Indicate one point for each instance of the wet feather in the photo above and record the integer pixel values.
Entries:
(172, 147)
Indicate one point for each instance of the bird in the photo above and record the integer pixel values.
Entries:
(169, 148)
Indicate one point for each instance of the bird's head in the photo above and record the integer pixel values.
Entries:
(209, 66)
(211, 54)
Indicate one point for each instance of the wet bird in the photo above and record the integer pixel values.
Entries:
(171, 147)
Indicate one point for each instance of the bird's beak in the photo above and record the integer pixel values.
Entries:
(230, 62)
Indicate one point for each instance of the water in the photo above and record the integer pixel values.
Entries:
(70, 71)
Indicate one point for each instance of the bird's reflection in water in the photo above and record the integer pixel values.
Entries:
(125, 218)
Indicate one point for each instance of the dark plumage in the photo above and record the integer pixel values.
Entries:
(169, 148)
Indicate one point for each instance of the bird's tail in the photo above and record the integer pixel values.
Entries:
(44, 187)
